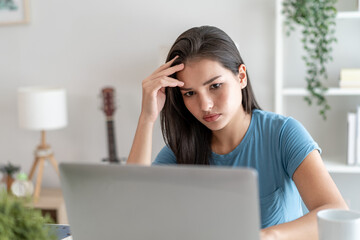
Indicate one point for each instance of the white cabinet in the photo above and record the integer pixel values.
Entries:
(290, 86)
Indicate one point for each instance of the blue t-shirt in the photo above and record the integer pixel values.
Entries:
(275, 146)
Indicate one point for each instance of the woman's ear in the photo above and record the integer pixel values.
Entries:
(242, 76)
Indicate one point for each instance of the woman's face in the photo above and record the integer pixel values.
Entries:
(212, 93)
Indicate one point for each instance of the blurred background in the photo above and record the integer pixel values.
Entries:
(86, 45)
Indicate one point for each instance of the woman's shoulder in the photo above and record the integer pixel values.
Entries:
(165, 156)
(271, 119)
(275, 123)
(280, 125)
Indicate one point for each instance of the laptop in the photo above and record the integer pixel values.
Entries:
(130, 202)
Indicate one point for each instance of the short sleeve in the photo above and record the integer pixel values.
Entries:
(296, 143)
(165, 156)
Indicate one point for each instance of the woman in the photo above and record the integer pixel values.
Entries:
(209, 116)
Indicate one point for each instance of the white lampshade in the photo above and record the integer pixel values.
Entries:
(42, 108)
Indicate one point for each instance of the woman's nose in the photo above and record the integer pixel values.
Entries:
(206, 102)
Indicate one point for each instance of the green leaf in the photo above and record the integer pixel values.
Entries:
(19, 221)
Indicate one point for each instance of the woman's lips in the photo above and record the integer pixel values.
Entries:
(211, 117)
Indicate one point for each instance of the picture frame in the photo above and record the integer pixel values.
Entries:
(14, 12)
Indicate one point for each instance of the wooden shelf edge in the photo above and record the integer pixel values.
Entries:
(348, 15)
(330, 92)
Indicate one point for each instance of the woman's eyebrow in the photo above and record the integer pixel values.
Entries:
(205, 83)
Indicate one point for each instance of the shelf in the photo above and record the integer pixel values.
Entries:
(346, 15)
(333, 167)
(330, 92)
(283, 93)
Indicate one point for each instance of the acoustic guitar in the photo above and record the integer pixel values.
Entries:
(109, 109)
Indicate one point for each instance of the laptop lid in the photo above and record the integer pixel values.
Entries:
(160, 202)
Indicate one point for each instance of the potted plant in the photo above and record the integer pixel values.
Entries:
(19, 221)
(9, 170)
(317, 19)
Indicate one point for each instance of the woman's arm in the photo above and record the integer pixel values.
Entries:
(140, 152)
(318, 191)
(153, 100)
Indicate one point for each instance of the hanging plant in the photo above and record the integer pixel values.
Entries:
(8, 4)
(317, 19)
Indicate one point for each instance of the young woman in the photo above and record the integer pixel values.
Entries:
(209, 116)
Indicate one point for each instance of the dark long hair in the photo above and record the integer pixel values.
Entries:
(189, 139)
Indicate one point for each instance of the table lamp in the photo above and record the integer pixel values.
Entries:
(42, 109)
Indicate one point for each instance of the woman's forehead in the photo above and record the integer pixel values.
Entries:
(201, 70)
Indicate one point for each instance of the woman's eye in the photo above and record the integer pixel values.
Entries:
(188, 94)
(216, 85)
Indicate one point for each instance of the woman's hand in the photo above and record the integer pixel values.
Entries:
(153, 98)
(153, 101)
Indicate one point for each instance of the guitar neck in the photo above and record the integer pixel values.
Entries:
(111, 141)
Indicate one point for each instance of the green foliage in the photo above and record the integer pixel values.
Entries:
(20, 222)
(9, 169)
(317, 19)
(8, 4)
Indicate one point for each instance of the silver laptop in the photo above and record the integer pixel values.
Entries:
(160, 202)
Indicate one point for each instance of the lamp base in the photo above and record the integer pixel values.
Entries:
(41, 155)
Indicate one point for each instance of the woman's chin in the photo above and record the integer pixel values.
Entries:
(215, 125)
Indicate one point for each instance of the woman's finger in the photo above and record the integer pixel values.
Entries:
(166, 65)
(162, 82)
(169, 71)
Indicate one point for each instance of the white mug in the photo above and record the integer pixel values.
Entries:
(337, 224)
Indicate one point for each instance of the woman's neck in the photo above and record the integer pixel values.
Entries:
(227, 139)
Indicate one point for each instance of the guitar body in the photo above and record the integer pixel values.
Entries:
(109, 109)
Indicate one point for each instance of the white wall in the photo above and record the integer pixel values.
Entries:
(85, 45)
